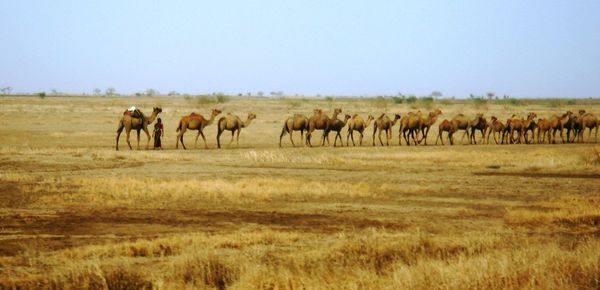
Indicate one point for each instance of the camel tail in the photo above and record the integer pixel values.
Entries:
(120, 126)
(178, 127)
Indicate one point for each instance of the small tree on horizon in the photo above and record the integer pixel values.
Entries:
(436, 94)
(6, 90)
(110, 91)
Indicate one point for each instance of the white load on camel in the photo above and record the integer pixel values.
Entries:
(134, 112)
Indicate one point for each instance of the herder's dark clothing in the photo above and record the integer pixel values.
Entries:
(157, 132)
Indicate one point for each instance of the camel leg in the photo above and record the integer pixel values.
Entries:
(348, 138)
(203, 139)
(439, 137)
(119, 135)
(308, 136)
(361, 138)
(237, 141)
(197, 136)
(127, 134)
(219, 132)
(232, 137)
(425, 136)
(463, 136)
(138, 139)
(291, 139)
(380, 141)
(283, 131)
(147, 135)
(388, 136)
(302, 136)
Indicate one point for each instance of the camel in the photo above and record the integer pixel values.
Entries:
(589, 121)
(129, 123)
(494, 127)
(558, 124)
(232, 123)
(445, 126)
(428, 122)
(194, 122)
(520, 125)
(544, 126)
(356, 123)
(532, 126)
(573, 125)
(298, 122)
(383, 123)
(411, 122)
(337, 126)
(461, 122)
(480, 124)
(320, 121)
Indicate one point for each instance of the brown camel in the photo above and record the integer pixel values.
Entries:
(128, 122)
(426, 124)
(461, 122)
(558, 124)
(319, 121)
(298, 122)
(445, 126)
(494, 127)
(357, 124)
(232, 123)
(544, 126)
(337, 126)
(383, 123)
(520, 125)
(573, 125)
(589, 121)
(480, 124)
(194, 122)
(410, 123)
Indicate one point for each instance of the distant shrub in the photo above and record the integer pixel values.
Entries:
(380, 102)
(479, 101)
(41, 95)
(397, 100)
(203, 100)
(411, 99)
(571, 102)
(329, 99)
(221, 98)
(556, 103)
(426, 99)
(291, 103)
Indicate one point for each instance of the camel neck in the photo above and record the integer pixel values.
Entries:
(211, 120)
(152, 117)
(368, 122)
(247, 122)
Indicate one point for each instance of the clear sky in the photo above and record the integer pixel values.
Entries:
(522, 48)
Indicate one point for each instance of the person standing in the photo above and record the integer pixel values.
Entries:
(157, 134)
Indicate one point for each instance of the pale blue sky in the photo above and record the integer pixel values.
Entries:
(521, 48)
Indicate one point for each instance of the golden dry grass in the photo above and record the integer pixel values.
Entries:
(75, 214)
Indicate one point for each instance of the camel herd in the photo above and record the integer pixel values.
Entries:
(413, 127)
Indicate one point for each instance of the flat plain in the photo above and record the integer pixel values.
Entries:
(76, 214)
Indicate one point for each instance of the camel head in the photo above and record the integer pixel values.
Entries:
(251, 116)
(370, 118)
(581, 112)
(437, 112)
(158, 110)
(494, 118)
(531, 116)
(216, 112)
(347, 117)
(337, 110)
(318, 111)
(397, 117)
(569, 113)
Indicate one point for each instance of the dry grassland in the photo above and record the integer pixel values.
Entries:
(75, 214)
